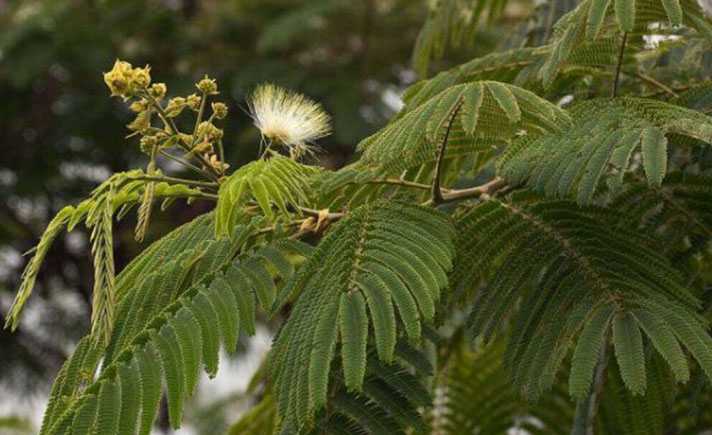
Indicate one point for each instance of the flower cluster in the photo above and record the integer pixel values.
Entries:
(203, 144)
(126, 81)
(284, 118)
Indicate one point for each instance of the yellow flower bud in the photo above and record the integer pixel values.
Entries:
(220, 110)
(207, 131)
(140, 79)
(207, 86)
(175, 106)
(139, 105)
(202, 148)
(217, 164)
(143, 120)
(118, 78)
(158, 91)
(193, 101)
(186, 138)
(147, 143)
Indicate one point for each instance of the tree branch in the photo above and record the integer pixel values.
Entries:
(483, 190)
(316, 213)
(399, 182)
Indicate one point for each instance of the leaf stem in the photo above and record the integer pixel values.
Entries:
(185, 163)
(209, 185)
(212, 172)
(201, 110)
(436, 193)
(403, 183)
(618, 65)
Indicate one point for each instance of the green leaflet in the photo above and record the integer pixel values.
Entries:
(382, 315)
(674, 11)
(323, 352)
(586, 356)
(97, 212)
(279, 181)
(596, 16)
(354, 336)
(665, 342)
(654, 150)
(625, 13)
(629, 352)
(506, 100)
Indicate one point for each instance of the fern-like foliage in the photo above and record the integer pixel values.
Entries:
(118, 193)
(608, 138)
(587, 280)
(171, 346)
(277, 181)
(476, 397)
(382, 259)
(590, 33)
(451, 23)
(391, 401)
(511, 66)
(81, 366)
(679, 210)
(457, 116)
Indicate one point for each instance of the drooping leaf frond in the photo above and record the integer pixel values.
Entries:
(277, 181)
(83, 362)
(384, 262)
(174, 342)
(121, 191)
(475, 396)
(392, 401)
(572, 273)
(604, 142)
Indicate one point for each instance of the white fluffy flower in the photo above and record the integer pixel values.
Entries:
(287, 117)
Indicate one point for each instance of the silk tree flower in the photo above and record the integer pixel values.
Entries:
(288, 118)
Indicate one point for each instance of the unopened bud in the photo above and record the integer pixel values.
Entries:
(193, 101)
(148, 143)
(175, 107)
(220, 110)
(139, 105)
(207, 86)
(158, 91)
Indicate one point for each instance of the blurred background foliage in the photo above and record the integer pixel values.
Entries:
(61, 134)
